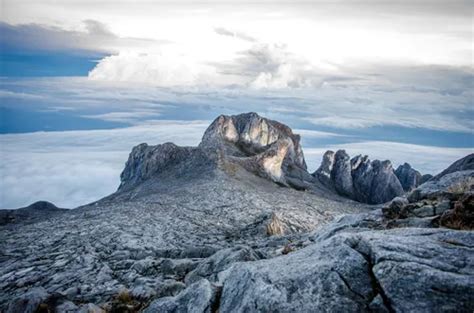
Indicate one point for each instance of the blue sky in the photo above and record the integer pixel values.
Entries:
(383, 79)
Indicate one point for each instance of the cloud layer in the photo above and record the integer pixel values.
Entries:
(77, 167)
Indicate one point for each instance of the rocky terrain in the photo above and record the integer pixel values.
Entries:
(237, 224)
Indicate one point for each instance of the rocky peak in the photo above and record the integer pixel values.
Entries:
(261, 146)
(359, 178)
(408, 177)
(145, 161)
(249, 134)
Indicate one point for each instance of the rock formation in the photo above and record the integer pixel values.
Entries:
(358, 178)
(408, 177)
(215, 228)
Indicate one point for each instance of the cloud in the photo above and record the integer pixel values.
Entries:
(95, 37)
(77, 167)
(161, 69)
(334, 106)
(129, 117)
(262, 66)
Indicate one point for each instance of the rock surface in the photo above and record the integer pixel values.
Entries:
(398, 270)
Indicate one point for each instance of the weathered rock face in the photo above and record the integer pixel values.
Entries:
(145, 161)
(250, 134)
(408, 177)
(358, 178)
(264, 147)
(341, 174)
(323, 173)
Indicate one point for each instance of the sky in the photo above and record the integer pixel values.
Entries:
(82, 82)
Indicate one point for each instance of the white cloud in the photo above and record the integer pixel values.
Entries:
(73, 168)
(130, 116)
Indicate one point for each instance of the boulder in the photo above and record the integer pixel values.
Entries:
(395, 208)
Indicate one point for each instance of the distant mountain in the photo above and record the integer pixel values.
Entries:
(237, 224)
(34, 212)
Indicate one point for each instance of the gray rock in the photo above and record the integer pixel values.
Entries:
(178, 268)
(145, 161)
(451, 183)
(363, 176)
(341, 174)
(197, 298)
(323, 173)
(250, 134)
(408, 177)
(425, 178)
(222, 260)
(385, 185)
(395, 208)
(358, 178)
(169, 288)
(347, 272)
(443, 206)
(148, 266)
(425, 211)
(67, 307)
(464, 164)
(29, 302)
(90, 308)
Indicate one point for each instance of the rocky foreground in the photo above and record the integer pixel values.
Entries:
(237, 224)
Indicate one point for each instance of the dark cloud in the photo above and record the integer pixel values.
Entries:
(35, 38)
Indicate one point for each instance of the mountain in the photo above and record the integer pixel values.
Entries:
(237, 224)
(34, 212)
